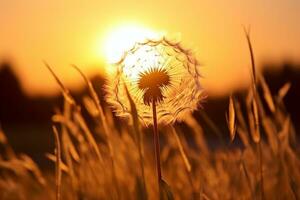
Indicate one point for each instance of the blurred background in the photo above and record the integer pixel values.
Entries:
(72, 32)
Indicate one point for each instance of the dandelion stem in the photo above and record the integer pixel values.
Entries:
(156, 146)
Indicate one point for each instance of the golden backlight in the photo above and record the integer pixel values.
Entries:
(123, 38)
(89, 34)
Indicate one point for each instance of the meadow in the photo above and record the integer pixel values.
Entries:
(104, 157)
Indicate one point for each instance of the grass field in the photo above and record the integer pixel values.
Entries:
(99, 157)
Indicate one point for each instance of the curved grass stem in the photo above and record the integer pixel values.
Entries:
(262, 193)
(57, 166)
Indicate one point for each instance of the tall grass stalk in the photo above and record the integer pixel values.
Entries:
(57, 166)
(138, 139)
(247, 177)
(68, 148)
(186, 161)
(257, 138)
(104, 123)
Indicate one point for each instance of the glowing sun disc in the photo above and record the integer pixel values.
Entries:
(122, 39)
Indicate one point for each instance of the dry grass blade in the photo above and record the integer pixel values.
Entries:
(212, 125)
(247, 34)
(58, 161)
(267, 94)
(239, 115)
(79, 119)
(260, 154)
(90, 106)
(242, 125)
(231, 119)
(283, 135)
(30, 165)
(8, 149)
(134, 112)
(270, 130)
(64, 90)
(166, 193)
(255, 111)
(254, 89)
(251, 122)
(132, 106)
(70, 124)
(243, 135)
(3, 138)
(70, 146)
(138, 138)
(182, 152)
(247, 177)
(182, 144)
(284, 90)
(99, 108)
(62, 165)
(204, 197)
(91, 90)
(256, 132)
(69, 150)
(104, 124)
(199, 134)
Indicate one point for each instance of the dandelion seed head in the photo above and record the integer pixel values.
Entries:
(161, 71)
(152, 82)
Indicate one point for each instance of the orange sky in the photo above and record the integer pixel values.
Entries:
(72, 32)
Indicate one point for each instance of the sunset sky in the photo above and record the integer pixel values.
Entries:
(76, 32)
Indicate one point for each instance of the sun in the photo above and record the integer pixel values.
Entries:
(124, 37)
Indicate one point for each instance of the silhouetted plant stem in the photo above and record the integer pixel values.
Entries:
(141, 161)
(186, 161)
(261, 171)
(156, 146)
(103, 120)
(256, 118)
(142, 167)
(57, 166)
